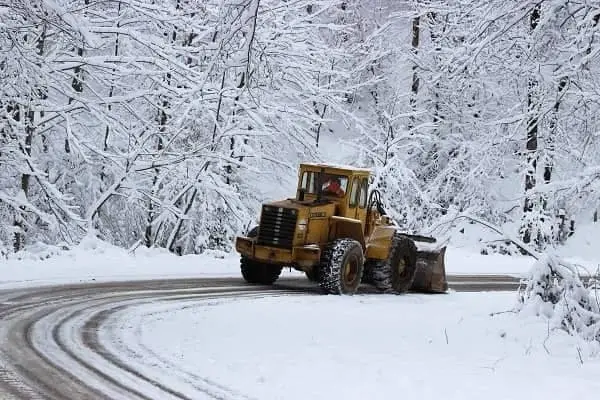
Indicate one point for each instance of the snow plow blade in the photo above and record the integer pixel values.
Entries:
(430, 276)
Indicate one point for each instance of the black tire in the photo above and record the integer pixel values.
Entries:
(398, 272)
(259, 273)
(342, 266)
(256, 272)
(313, 274)
(370, 267)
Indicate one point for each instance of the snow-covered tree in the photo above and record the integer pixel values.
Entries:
(158, 123)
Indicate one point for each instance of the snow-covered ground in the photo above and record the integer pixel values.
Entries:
(94, 260)
(361, 347)
(277, 346)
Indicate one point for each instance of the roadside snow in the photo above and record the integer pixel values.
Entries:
(94, 260)
(324, 347)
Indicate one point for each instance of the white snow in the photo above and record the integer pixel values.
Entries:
(94, 260)
(98, 261)
(291, 346)
(328, 347)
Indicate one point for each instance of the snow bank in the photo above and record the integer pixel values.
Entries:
(95, 260)
(554, 290)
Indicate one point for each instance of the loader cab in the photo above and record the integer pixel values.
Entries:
(344, 186)
(339, 235)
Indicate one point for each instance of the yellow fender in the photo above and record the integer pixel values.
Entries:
(342, 227)
(380, 241)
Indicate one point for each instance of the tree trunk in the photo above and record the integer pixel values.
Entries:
(163, 119)
(414, 88)
(531, 145)
(243, 82)
(38, 92)
(148, 239)
(435, 39)
(76, 84)
(550, 141)
(110, 92)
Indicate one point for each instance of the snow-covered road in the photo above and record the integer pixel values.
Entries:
(61, 342)
(50, 347)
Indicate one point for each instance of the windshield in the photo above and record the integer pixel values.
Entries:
(331, 184)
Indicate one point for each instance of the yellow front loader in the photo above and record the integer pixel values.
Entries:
(336, 231)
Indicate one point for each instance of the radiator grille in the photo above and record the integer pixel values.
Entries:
(277, 226)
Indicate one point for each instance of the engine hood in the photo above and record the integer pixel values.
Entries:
(306, 209)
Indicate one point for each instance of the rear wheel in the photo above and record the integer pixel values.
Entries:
(259, 273)
(342, 266)
(398, 272)
(370, 267)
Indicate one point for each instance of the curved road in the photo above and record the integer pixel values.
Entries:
(50, 349)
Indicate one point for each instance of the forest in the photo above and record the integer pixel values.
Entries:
(157, 122)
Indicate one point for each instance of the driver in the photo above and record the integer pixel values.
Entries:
(334, 186)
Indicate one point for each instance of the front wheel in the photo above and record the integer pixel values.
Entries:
(342, 266)
(259, 273)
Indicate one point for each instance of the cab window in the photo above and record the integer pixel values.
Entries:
(354, 191)
(364, 188)
(334, 185)
(309, 182)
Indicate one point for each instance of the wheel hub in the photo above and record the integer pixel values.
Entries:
(350, 271)
(401, 267)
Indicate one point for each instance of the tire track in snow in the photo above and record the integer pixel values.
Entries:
(38, 358)
(76, 335)
(198, 383)
(50, 347)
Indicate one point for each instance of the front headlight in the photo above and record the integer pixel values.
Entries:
(302, 225)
